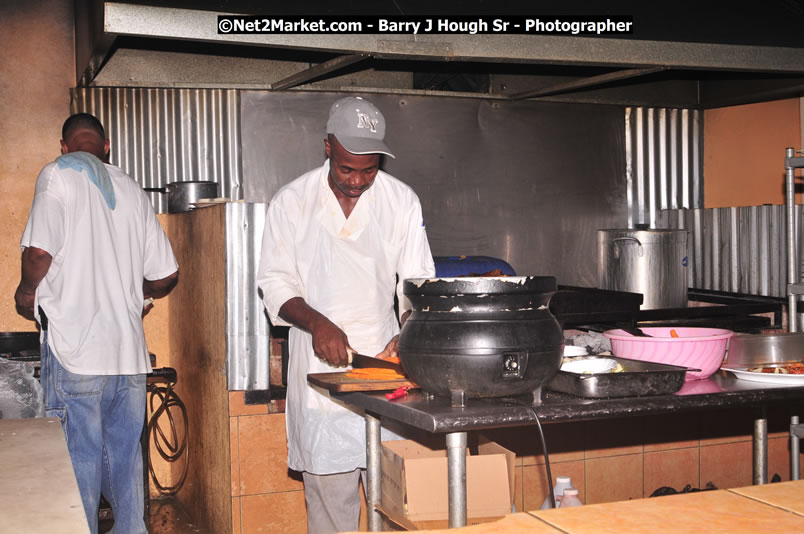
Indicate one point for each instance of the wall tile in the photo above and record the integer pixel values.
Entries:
(238, 406)
(565, 442)
(615, 478)
(534, 481)
(728, 426)
(234, 445)
(263, 455)
(671, 431)
(236, 515)
(674, 468)
(727, 465)
(779, 457)
(614, 437)
(274, 513)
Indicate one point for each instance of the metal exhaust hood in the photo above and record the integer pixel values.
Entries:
(148, 43)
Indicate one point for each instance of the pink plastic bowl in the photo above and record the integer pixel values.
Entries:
(696, 348)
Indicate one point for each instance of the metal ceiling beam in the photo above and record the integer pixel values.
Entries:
(316, 71)
(586, 82)
(190, 24)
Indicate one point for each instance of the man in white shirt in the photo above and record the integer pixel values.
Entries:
(93, 250)
(338, 243)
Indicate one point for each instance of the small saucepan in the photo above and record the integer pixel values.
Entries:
(182, 195)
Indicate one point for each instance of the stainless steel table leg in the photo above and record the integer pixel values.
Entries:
(373, 472)
(456, 466)
(760, 451)
(795, 448)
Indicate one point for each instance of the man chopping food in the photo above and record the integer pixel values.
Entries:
(338, 243)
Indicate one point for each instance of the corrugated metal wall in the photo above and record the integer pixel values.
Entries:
(664, 162)
(739, 249)
(159, 136)
(248, 343)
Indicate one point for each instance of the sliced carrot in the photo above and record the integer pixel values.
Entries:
(375, 374)
(673, 333)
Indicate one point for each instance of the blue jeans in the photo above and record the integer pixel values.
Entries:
(102, 417)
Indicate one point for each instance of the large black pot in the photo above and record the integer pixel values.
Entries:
(481, 337)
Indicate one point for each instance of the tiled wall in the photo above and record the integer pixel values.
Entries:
(610, 460)
(625, 459)
(266, 497)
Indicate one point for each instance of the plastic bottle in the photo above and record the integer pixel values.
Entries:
(570, 498)
(562, 483)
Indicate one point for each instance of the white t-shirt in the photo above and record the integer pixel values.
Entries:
(92, 293)
(347, 270)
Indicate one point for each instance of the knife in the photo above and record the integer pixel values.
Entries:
(360, 361)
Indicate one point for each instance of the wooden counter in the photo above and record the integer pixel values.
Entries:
(767, 508)
(38, 491)
(706, 511)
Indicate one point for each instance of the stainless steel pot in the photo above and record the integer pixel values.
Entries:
(182, 195)
(651, 262)
(750, 350)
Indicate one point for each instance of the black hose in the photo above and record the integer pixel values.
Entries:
(171, 450)
(546, 460)
(544, 447)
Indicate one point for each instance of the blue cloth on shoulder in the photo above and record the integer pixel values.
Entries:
(95, 169)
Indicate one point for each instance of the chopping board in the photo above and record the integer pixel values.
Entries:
(340, 383)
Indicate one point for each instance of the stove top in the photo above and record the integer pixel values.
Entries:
(599, 310)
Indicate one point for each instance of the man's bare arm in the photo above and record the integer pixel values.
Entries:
(35, 265)
(329, 342)
(159, 288)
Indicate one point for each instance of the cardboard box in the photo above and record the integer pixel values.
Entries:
(414, 486)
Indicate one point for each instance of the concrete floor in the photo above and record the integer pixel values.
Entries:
(166, 518)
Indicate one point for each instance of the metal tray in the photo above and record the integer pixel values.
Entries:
(639, 379)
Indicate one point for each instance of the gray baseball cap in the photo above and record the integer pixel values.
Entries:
(358, 125)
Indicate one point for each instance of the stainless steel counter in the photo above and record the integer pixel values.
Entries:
(434, 414)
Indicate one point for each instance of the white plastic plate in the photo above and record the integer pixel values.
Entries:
(768, 378)
(591, 366)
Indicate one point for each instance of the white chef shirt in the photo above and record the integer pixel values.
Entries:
(347, 270)
(92, 293)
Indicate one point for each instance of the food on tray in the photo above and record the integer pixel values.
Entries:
(789, 368)
(591, 366)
